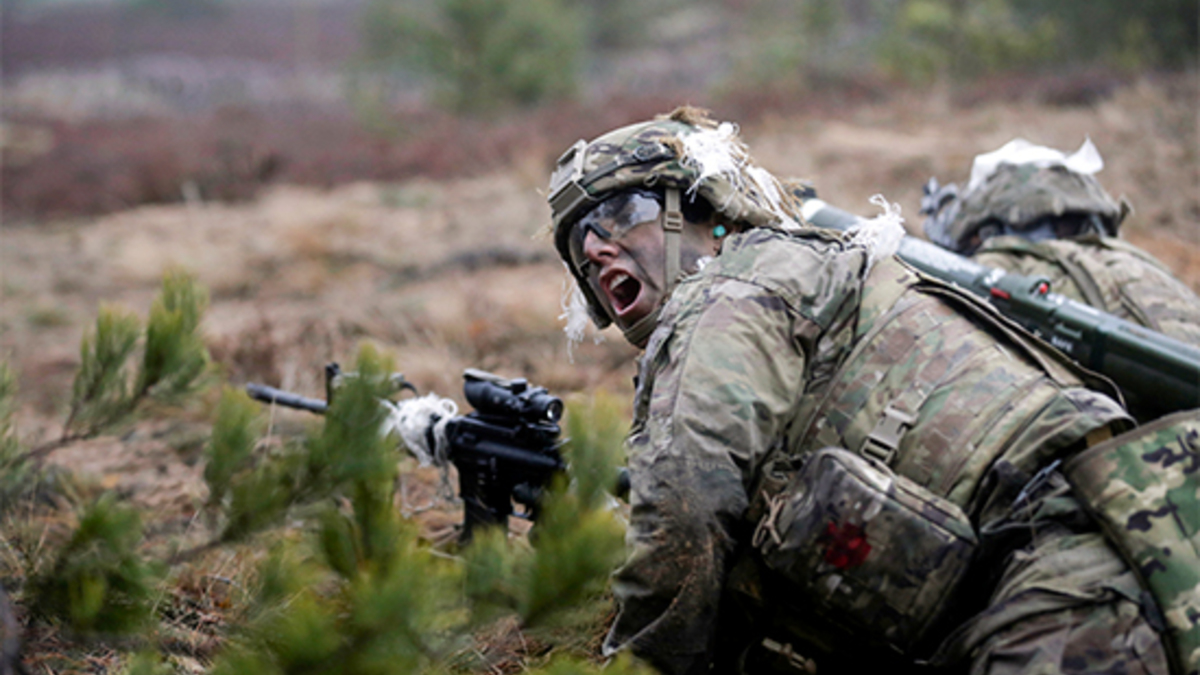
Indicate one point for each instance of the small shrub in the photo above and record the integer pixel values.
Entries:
(235, 433)
(174, 357)
(97, 583)
(364, 595)
(935, 39)
(48, 317)
(351, 588)
(20, 477)
(481, 54)
(173, 363)
(100, 393)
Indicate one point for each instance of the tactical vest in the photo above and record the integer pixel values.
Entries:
(936, 387)
(1107, 273)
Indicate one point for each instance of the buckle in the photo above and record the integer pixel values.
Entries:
(792, 660)
(882, 442)
(672, 215)
(652, 152)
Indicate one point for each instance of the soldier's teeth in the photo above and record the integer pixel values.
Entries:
(618, 279)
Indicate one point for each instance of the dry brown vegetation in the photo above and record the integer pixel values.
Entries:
(449, 271)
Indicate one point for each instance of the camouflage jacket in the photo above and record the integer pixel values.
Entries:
(785, 344)
(1107, 273)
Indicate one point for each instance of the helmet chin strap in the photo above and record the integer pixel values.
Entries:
(639, 332)
(672, 226)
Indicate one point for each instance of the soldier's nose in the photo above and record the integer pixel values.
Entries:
(597, 248)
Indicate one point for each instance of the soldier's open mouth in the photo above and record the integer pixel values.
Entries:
(624, 291)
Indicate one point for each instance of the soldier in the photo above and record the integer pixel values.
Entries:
(837, 464)
(1035, 211)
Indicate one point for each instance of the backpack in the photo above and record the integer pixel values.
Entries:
(1143, 487)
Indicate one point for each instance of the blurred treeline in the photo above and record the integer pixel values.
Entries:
(484, 54)
(114, 103)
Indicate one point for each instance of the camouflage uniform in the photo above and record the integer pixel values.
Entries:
(779, 348)
(1094, 267)
(1107, 273)
(791, 341)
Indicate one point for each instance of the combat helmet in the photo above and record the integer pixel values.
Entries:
(681, 154)
(1036, 202)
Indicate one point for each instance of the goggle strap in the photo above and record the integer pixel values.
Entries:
(672, 225)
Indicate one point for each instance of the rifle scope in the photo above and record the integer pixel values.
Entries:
(493, 395)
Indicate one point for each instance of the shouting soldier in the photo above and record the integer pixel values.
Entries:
(837, 464)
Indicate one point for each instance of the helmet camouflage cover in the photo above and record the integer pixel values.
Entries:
(685, 151)
(1020, 195)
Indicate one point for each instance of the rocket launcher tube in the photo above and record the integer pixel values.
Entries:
(1156, 373)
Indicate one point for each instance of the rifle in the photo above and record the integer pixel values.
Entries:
(506, 451)
(1156, 373)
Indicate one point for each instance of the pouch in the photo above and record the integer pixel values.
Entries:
(865, 547)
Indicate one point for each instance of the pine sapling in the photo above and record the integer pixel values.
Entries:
(230, 449)
(363, 594)
(20, 477)
(577, 539)
(100, 393)
(174, 358)
(97, 583)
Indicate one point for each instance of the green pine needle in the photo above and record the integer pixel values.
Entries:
(236, 430)
(175, 357)
(100, 393)
(98, 584)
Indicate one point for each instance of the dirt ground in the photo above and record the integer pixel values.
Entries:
(456, 274)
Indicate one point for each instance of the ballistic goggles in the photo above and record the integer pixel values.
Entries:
(611, 220)
(1047, 228)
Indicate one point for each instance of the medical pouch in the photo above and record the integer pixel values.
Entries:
(865, 547)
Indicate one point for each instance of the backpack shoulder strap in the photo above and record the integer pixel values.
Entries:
(1057, 253)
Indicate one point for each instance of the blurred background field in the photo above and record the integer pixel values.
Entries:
(327, 161)
(340, 171)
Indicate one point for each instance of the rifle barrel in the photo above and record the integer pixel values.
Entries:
(261, 392)
(1156, 372)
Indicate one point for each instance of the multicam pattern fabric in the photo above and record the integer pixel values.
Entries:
(784, 344)
(1019, 194)
(656, 154)
(1107, 273)
(1065, 602)
(686, 151)
(867, 545)
(1144, 488)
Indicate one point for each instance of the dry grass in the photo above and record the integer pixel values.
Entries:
(452, 274)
